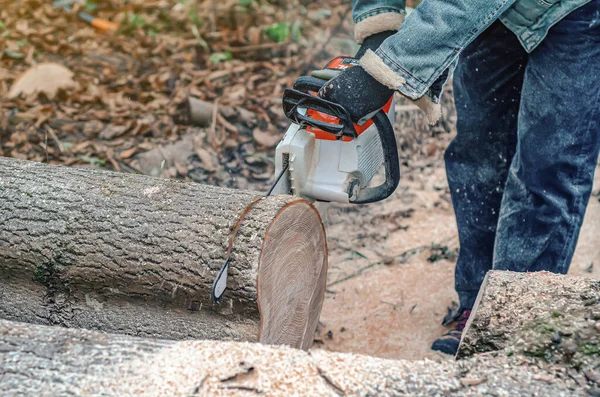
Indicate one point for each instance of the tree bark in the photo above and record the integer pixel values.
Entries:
(137, 255)
(50, 361)
(541, 314)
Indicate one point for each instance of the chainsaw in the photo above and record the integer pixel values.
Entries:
(324, 156)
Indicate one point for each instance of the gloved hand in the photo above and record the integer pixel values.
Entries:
(362, 94)
(355, 89)
(373, 42)
(359, 93)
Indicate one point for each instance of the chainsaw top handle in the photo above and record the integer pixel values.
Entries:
(299, 99)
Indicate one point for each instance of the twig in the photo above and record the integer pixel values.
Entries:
(330, 382)
(581, 384)
(405, 255)
(131, 169)
(254, 47)
(362, 269)
(228, 126)
(46, 143)
(213, 124)
(111, 159)
(242, 387)
(356, 273)
(201, 40)
(55, 137)
(199, 386)
(393, 305)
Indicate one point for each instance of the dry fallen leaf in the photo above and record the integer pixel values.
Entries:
(265, 138)
(45, 77)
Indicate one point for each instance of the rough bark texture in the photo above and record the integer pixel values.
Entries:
(48, 361)
(133, 254)
(541, 315)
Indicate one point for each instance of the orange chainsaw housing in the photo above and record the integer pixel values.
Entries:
(338, 64)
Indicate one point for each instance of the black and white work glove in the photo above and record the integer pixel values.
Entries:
(355, 89)
(359, 93)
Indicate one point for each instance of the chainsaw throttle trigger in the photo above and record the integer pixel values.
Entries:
(390, 162)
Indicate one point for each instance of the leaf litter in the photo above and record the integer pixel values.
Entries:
(109, 98)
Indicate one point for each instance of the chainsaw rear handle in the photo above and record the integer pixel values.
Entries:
(301, 97)
(390, 162)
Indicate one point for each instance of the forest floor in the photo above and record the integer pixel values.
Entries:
(121, 106)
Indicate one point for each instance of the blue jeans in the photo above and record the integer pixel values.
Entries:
(521, 167)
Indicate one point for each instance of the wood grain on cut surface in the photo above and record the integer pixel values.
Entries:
(291, 296)
(134, 254)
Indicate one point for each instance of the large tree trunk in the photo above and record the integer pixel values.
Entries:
(52, 361)
(537, 315)
(138, 255)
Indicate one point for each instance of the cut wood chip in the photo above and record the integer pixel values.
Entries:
(265, 138)
(203, 155)
(125, 154)
(115, 131)
(471, 381)
(45, 77)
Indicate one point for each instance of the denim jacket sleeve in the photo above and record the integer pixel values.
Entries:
(428, 42)
(375, 16)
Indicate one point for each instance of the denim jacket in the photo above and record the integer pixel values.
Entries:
(428, 42)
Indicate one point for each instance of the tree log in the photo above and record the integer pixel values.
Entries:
(137, 255)
(545, 315)
(50, 361)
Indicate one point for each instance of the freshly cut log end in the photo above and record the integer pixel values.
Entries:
(137, 255)
(292, 276)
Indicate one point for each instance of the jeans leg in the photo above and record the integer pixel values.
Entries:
(550, 179)
(487, 89)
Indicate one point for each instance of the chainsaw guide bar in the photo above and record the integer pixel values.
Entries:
(220, 284)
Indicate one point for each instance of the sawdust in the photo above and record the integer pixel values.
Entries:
(93, 363)
(392, 310)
